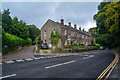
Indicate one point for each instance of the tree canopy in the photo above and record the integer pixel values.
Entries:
(108, 24)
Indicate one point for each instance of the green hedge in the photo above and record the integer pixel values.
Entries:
(12, 42)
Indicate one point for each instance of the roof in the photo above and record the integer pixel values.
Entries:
(71, 28)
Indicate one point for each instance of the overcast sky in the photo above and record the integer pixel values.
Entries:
(37, 13)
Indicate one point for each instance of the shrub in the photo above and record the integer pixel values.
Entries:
(75, 44)
(58, 48)
(66, 46)
(45, 51)
(12, 42)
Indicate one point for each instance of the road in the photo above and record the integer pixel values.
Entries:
(74, 66)
(24, 53)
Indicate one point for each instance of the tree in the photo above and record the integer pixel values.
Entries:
(93, 31)
(108, 22)
(6, 20)
(34, 32)
(54, 38)
(19, 28)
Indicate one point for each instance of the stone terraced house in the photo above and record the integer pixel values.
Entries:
(80, 36)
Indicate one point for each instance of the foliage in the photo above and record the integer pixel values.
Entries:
(0, 18)
(34, 32)
(6, 20)
(19, 28)
(92, 41)
(66, 46)
(93, 31)
(75, 44)
(81, 45)
(45, 51)
(15, 33)
(58, 48)
(12, 42)
(108, 22)
(55, 38)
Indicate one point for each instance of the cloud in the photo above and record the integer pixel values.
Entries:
(80, 13)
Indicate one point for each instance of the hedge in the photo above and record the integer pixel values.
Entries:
(12, 42)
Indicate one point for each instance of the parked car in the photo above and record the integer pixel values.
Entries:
(44, 46)
(101, 48)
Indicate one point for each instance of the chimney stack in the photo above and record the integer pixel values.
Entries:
(83, 30)
(62, 21)
(79, 28)
(75, 26)
(69, 23)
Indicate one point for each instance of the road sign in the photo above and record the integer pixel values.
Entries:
(68, 37)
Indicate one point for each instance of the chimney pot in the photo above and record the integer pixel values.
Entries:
(83, 30)
(79, 28)
(69, 23)
(62, 21)
(75, 26)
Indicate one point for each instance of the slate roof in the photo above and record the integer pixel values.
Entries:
(71, 28)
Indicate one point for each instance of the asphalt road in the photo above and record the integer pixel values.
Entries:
(24, 53)
(75, 66)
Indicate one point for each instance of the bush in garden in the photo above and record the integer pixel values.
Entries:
(12, 42)
(58, 48)
(66, 46)
(75, 44)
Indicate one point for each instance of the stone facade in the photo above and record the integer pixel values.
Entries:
(80, 36)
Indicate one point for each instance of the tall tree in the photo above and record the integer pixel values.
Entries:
(108, 22)
(6, 20)
(34, 32)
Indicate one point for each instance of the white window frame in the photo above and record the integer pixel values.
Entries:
(82, 36)
(45, 33)
(86, 37)
(72, 34)
(54, 31)
(65, 32)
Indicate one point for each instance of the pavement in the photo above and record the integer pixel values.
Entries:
(89, 66)
(24, 53)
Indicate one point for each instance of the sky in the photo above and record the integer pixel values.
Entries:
(37, 13)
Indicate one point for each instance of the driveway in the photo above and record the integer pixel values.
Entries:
(24, 53)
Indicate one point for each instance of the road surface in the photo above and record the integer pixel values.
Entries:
(24, 53)
(89, 65)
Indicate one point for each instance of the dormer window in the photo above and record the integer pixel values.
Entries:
(45, 33)
(54, 31)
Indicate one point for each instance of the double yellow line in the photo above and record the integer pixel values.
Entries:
(109, 67)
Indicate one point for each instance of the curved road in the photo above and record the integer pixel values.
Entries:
(75, 66)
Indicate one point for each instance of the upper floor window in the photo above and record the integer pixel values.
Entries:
(65, 32)
(86, 37)
(82, 36)
(54, 31)
(72, 34)
(44, 32)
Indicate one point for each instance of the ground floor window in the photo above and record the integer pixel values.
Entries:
(45, 41)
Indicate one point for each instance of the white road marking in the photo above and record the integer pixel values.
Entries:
(37, 58)
(20, 60)
(84, 58)
(7, 76)
(54, 56)
(9, 61)
(59, 64)
(89, 56)
(48, 57)
(29, 59)
(85, 55)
